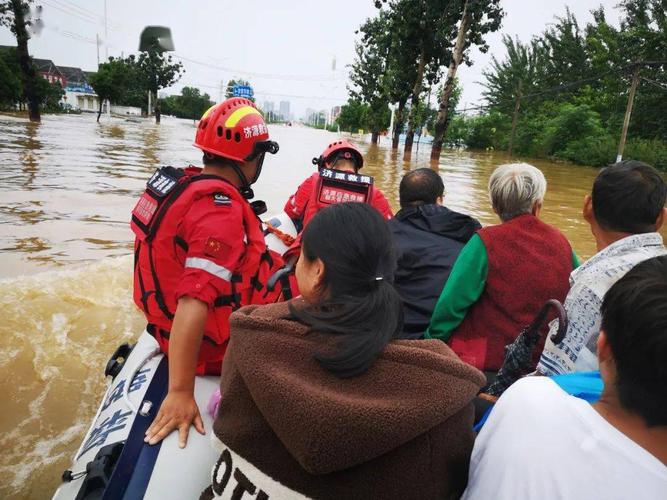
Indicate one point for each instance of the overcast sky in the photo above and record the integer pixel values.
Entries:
(285, 48)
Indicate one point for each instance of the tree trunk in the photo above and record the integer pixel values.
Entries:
(157, 109)
(374, 136)
(398, 123)
(442, 121)
(27, 70)
(515, 117)
(99, 112)
(414, 101)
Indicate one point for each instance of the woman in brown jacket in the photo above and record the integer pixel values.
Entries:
(318, 401)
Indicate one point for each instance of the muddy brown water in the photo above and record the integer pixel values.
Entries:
(67, 186)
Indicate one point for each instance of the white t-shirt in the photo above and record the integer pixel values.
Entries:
(541, 443)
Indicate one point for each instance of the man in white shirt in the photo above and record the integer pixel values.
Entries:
(625, 210)
(540, 442)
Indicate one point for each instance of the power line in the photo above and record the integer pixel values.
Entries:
(268, 76)
(261, 93)
(661, 86)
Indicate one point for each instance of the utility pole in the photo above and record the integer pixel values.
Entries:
(391, 122)
(628, 112)
(106, 33)
(97, 44)
(515, 116)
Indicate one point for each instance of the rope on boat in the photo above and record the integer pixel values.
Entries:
(287, 239)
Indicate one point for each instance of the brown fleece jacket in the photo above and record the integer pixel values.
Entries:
(401, 430)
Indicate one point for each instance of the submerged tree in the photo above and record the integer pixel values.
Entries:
(367, 72)
(190, 104)
(477, 19)
(158, 71)
(111, 80)
(15, 15)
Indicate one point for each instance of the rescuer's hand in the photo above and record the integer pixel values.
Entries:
(178, 411)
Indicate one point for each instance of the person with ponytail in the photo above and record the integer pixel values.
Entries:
(319, 400)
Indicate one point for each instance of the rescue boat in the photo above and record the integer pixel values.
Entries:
(113, 462)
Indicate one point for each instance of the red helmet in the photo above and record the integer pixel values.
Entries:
(336, 149)
(234, 129)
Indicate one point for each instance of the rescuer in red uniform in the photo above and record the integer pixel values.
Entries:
(323, 188)
(200, 254)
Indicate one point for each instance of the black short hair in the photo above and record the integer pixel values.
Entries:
(219, 161)
(422, 186)
(363, 309)
(628, 197)
(634, 319)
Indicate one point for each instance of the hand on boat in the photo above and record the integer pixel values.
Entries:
(178, 411)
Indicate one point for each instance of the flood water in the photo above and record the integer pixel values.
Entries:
(67, 187)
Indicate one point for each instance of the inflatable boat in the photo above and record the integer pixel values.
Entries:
(113, 462)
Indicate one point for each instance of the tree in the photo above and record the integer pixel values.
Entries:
(477, 19)
(158, 72)
(110, 81)
(49, 94)
(10, 81)
(366, 75)
(13, 15)
(190, 104)
(394, 72)
(520, 74)
(352, 116)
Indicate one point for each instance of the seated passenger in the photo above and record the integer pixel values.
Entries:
(539, 442)
(504, 274)
(625, 210)
(427, 237)
(318, 400)
(341, 156)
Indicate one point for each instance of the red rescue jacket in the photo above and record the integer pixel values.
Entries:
(328, 187)
(306, 200)
(197, 236)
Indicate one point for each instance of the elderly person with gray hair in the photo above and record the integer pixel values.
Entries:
(505, 273)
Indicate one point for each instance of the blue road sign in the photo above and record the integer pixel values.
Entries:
(242, 91)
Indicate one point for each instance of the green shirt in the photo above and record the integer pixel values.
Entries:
(463, 288)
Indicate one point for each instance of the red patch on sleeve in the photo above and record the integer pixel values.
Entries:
(145, 208)
(214, 247)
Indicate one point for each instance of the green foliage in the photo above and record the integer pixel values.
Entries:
(457, 132)
(158, 69)
(10, 80)
(573, 85)
(49, 95)
(352, 116)
(520, 73)
(190, 104)
(111, 79)
(572, 123)
(488, 131)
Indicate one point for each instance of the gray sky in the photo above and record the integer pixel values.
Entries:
(285, 48)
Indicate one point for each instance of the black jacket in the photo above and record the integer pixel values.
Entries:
(427, 239)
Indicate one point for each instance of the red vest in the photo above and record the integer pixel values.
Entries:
(333, 186)
(160, 253)
(529, 262)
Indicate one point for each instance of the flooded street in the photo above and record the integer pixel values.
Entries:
(67, 187)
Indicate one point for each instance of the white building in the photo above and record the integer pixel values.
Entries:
(78, 92)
